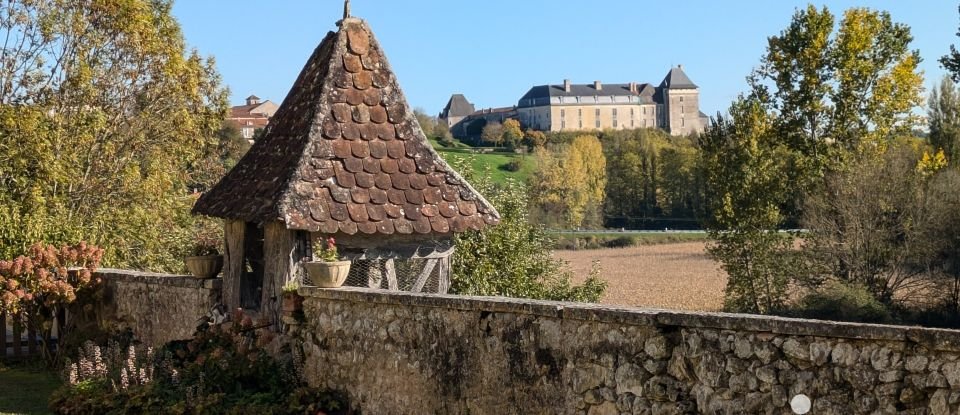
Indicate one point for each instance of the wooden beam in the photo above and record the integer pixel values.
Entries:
(405, 252)
(390, 269)
(374, 274)
(233, 235)
(443, 284)
(280, 260)
(424, 275)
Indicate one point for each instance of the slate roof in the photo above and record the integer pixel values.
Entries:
(577, 90)
(677, 79)
(458, 106)
(344, 154)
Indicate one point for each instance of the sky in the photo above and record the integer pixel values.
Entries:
(494, 51)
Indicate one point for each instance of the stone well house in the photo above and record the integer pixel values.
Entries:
(343, 157)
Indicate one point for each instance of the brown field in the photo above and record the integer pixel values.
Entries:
(673, 276)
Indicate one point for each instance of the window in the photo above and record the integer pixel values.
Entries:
(682, 110)
(681, 99)
(563, 113)
(248, 132)
(615, 118)
(563, 124)
(632, 114)
(644, 110)
(581, 125)
(598, 112)
(683, 122)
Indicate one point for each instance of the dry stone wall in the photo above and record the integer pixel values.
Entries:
(401, 353)
(157, 307)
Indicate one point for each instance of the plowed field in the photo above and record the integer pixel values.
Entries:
(674, 276)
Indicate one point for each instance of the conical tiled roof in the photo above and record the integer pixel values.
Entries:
(344, 153)
(677, 79)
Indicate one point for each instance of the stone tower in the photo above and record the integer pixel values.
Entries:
(681, 103)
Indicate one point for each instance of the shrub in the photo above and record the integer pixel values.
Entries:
(620, 242)
(44, 283)
(512, 166)
(224, 369)
(842, 302)
(513, 259)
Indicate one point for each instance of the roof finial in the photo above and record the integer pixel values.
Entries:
(346, 9)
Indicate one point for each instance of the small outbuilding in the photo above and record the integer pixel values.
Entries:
(344, 156)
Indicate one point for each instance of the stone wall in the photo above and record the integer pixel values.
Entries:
(158, 308)
(400, 353)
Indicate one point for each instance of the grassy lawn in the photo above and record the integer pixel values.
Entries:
(25, 389)
(495, 163)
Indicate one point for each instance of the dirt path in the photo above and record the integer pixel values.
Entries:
(674, 276)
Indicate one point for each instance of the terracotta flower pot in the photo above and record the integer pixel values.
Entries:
(328, 274)
(292, 303)
(204, 266)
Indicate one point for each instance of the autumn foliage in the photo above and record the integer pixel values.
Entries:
(47, 276)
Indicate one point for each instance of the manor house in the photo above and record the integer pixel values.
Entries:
(673, 106)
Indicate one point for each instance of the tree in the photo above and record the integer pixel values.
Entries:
(835, 93)
(944, 116)
(679, 194)
(512, 134)
(888, 224)
(427, 122)
(442, 131)
(634, 172)
(104, 117)
(571, 181)
(744, 164)
(514, 259)
(821, 99)
(534, 139)
(951, 61)
(492, 133)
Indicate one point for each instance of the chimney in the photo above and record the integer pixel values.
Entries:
(597, 85)
(633, 87)
(680, 67)
(566, 85)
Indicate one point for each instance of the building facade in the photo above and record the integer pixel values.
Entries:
(252, 116)
(673, 106)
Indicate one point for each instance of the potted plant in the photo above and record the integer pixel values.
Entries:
(292, 301)
(327, 270)
(206, 261)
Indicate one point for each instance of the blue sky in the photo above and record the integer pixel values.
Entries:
(494, 51)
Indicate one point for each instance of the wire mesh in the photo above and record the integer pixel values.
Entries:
(417, 275)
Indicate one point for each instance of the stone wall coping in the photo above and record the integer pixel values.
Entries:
(935, 339)
(185, 281)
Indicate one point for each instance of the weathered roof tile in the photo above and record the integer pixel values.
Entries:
(344, 153)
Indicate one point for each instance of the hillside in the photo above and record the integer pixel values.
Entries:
(494, 162)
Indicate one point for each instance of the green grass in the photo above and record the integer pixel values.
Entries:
(26, 389)
(482, 163)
